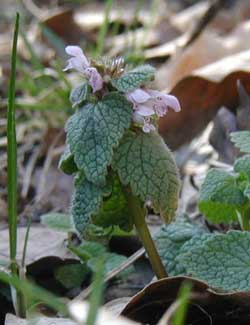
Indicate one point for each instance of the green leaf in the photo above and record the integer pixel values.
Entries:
(112, 260)
(133, 79)
(87, 250)
(94, 131)
(241, 140)
(79, 94)
(220, 197)
(67, 163)
(57, 221)
(222, 261)
(71, 275)
(114, 209)
(242, 166)
(145, 163)
(86, 201)
(170, 240)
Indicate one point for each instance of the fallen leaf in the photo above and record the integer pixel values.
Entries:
(201, 95)
(65, 27)
(42, 243)
(206, 306)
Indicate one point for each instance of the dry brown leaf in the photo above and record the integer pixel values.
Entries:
(64, 25)
(42, 243)
(150, 304)
(201, 95)
(208, 48)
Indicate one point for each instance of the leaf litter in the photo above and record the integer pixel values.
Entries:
(204, 81)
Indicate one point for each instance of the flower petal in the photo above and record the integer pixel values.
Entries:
(137, 118)
(172, 102)
(77, 52)
(75, 63)
(139, 96)
(160, 110)
(144, 110)
(95, 79)
(74, 50)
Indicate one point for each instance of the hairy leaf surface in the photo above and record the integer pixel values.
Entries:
(170, 240)
(86, 201)
(144, 162)
(220, 197)
(241, 140)
(79, 94)
(242, 166)
(222, 261)
(135, 78)
(94, 130)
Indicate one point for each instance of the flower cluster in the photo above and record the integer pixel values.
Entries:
(79, 62)
(148, 104)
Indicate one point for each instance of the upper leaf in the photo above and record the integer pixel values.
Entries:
(133, 79)
(145, 163)
(79, 94)
(220, 197)
(241, 140)
(170, 240)
(114, 209)
(94, 130)
(86, 201)
(67, 163)
(222, 261)
(242, 166)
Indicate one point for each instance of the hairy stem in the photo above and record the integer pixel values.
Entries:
(139, 213)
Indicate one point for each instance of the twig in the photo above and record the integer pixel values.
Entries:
(86, 292)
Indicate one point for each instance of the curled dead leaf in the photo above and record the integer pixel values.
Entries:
(205, 307)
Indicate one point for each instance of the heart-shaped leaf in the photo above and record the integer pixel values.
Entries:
(94, 130)
(145, 163)
(222, 261)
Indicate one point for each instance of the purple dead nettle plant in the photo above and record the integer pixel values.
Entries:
(120, 163)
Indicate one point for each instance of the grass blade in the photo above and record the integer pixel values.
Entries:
(33, 292)
(12, 154)
(96, 296)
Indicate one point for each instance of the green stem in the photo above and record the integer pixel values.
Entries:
(246, 220)
(139, 213)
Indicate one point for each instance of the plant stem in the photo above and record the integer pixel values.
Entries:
(139, 213)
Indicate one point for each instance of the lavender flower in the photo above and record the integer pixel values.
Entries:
(148, 103)
(79, 62)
